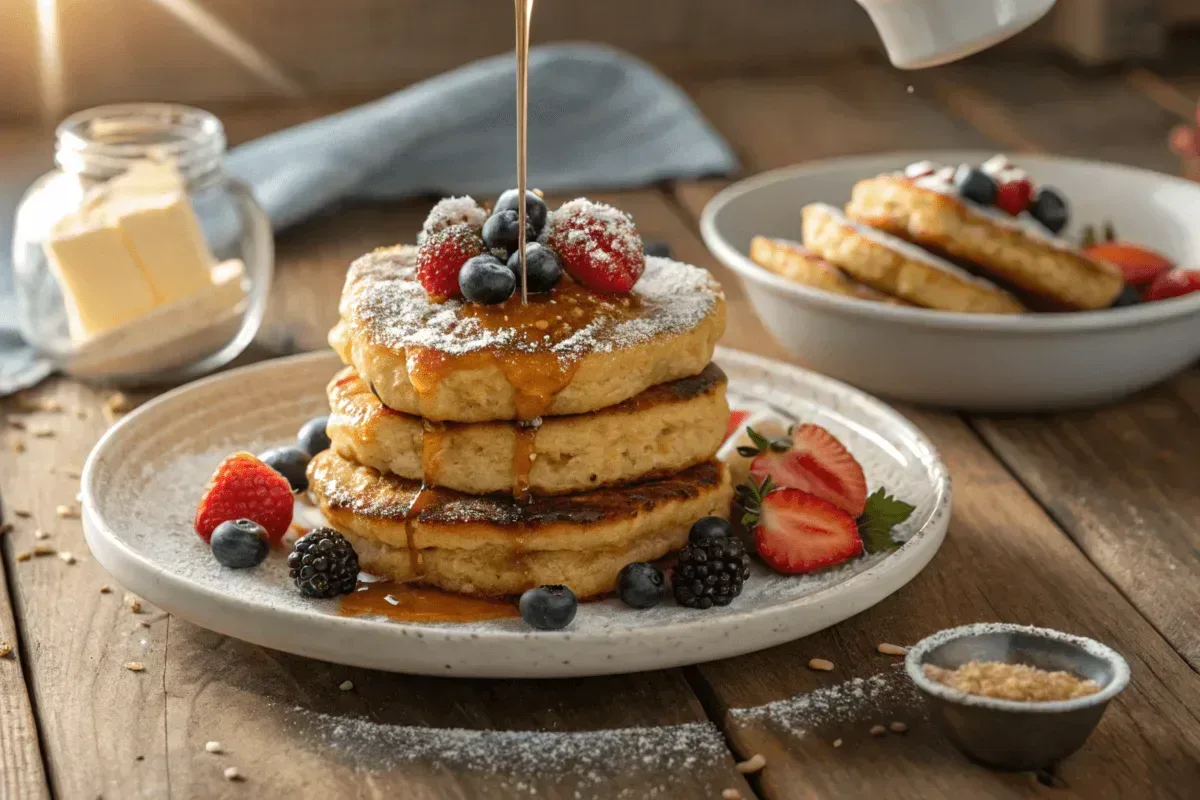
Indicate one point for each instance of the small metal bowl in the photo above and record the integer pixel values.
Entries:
(1011, 734)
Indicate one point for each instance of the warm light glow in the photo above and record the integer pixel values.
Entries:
(225, 39)
(50, 67)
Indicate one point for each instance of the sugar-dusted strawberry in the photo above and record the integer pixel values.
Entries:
(598, 245)
(245, 488)
(736, 418)
(1140, 265)
(1175, 283)
(1013, 197)
(813, 460)
(442, 254)
(451, 211)
(796, 532)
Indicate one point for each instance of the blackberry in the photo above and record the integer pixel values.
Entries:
(323, 564)
(710, 573)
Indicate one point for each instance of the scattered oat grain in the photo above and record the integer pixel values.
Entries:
(232, 774)
(753, 764)
(6, 528)
(40, 534)
(43, 550)
(67, 557)
(24, 555)
(73, 474)
(878, 730)
(346, 686)
(18, 446)
(15, 424)
(42, 432)
(824, 665)
(23, 513)
(5, 649)
(898, 727)
(731, 794)
(135, 666)
(66, 512)
(106, 589)
(214, 747)
(837, 742)
(134, 602)
(891, 649)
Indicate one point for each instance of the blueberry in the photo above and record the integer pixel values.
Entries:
(1129, 296)
(312, 438)
(240, 544)
(707, 529)
(1050, 209)
(486, 279)
(501, 230)
(658, 248)
(640, 585)
(535, 208)
(542, 268)
(291, 463)
(975, 185)
(549, 608)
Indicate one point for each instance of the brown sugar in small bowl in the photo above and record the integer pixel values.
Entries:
(1016, 734)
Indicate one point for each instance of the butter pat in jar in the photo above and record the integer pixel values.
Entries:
(140, 260)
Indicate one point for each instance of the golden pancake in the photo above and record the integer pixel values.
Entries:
(569, 351)
(495, 545)
(899, 268)
(661, 431)
(798, 264)
(1018, 252)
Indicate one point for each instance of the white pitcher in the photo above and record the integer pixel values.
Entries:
(925, 33)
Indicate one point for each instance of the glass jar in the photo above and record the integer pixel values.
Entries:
(104, 289)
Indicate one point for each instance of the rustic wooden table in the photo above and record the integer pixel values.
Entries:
(1083, 521)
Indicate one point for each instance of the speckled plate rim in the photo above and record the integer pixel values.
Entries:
(518, 653)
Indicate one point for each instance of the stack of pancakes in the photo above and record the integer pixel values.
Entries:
(915, 241)
(490, 449)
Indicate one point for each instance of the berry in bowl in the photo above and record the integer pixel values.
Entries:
(965, 280)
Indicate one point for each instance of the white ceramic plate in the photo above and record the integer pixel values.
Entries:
(974, 361)
(142, 482)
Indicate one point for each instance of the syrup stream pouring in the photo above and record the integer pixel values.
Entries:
(524, 9)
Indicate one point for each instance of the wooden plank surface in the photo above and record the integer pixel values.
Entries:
(21, 771)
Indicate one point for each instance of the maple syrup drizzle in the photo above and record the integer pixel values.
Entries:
(433, 450)
(523, 455)
(524, 11)
(405, 603)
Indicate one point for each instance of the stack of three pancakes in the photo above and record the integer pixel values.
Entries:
(490, 449)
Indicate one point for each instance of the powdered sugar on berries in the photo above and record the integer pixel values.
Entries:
(598, 244)
(453, 211)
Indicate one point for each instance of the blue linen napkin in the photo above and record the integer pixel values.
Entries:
(598, 119)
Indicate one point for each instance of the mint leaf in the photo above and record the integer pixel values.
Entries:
(883, 512)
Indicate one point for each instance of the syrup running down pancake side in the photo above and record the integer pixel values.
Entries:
(568, 351)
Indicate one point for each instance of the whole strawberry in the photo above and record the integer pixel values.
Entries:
(598, 245)
(440, 257)
(245, 488)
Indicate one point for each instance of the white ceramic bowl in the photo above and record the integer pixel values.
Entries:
(1021, 362)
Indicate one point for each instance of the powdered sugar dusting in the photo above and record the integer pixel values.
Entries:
(453, 211)
(591, 764)
(385, 301)
(856, 701)
(604, 234)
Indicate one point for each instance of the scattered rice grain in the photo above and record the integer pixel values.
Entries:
(753, 764)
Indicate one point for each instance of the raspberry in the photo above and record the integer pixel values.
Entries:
(441, 256)
(245, 488)
(598, 245)
(1015, 196)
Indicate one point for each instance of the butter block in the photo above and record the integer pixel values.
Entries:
(102, 283)
(164, 236)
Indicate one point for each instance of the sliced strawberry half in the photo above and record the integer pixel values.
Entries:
(814, 461)
(245, 488)
(796, 532)
(1140, 265)
(736, 418)
(1175, 283)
